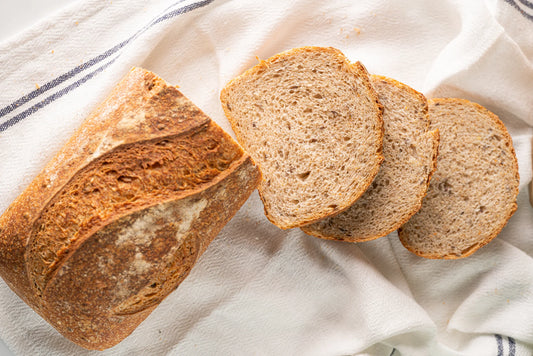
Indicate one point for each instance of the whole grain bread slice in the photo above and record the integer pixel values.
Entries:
(473, 191)
(396, 193)
(312, 122)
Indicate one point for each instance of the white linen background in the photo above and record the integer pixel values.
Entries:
(260, 290)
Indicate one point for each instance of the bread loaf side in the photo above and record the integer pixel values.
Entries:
(119, 216)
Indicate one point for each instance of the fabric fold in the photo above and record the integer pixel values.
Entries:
(257, 289)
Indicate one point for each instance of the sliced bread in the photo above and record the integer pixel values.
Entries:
(473, 191)
(312, 122)
(396, 193)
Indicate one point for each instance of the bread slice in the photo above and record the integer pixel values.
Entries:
(396, 193)
(313, 124)
(117, 219)
(473, 191)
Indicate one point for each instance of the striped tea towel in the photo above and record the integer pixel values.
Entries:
(259, 290)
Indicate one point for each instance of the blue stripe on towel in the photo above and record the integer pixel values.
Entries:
(55, 82)
(520, 9)
(512, 346)
(527, 3)
(60, 79)
(15, 119)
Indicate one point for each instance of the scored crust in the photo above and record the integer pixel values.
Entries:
(298, 188)
(116, 220)
(473, 192)
(409, 149)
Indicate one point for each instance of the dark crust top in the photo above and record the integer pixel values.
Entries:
(98, 134)
(141, 109)
(131, 276)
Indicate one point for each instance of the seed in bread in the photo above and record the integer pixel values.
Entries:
(473, 191)
(312, 122)
(396, 193)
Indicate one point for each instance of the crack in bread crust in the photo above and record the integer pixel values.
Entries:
(136, 261)
(118, 182)
(410, 151)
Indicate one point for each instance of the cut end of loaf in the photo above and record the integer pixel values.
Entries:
(312, 122)
(473, 191)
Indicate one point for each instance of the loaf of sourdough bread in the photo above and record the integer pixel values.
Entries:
(473, 191)
(396, 193)
(119, 216)
(312, 122)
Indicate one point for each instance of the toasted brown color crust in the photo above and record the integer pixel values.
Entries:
(457, 219)
(119, 216)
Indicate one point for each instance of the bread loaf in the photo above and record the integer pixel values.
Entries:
(312, 122)
(473, 191)
(119, 216)
(396, 193)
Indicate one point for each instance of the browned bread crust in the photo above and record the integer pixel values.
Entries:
(119, 216)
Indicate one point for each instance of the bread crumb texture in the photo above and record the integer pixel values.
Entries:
(474, 189)
(312, 122)
(410, 151)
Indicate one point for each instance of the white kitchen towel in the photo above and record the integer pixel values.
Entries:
(259, 290)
